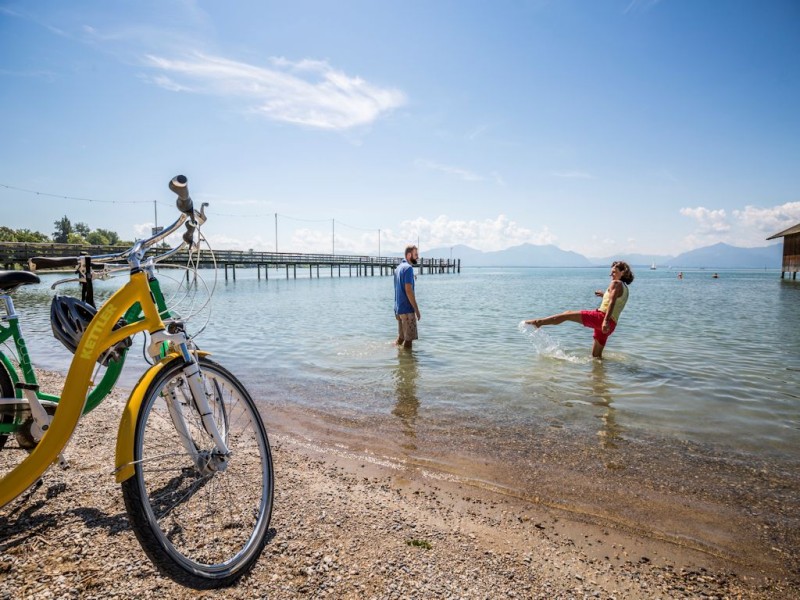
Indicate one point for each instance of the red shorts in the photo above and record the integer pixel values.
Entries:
(594, 319)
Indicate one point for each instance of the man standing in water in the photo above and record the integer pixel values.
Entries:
(604, 319)
(406, 310)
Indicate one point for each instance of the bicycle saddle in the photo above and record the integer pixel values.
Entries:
(10, 280)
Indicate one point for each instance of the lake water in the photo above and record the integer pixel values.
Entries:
(687, 430)
(709, 360)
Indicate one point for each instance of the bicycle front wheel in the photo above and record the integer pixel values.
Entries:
(201, 525)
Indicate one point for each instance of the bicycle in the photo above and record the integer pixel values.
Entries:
(192, 454)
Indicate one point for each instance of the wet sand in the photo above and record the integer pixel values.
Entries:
(391, 508)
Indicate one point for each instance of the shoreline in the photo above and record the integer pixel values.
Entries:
(356, 517)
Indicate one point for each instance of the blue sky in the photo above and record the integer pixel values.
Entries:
(602, 127)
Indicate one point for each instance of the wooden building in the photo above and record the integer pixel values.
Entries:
(791, 250)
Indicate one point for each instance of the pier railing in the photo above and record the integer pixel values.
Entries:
(16, 255)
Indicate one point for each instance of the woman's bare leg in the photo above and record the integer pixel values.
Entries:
(569, 315)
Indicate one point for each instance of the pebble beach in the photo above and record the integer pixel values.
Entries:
(350, 524)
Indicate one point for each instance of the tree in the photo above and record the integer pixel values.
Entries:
(111, 236)
(95, 238)
(7, 234)
(32, 237)
(21, 235)
(63, 229)
(75, 238)
(81, 228)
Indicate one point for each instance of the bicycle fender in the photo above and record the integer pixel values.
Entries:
(130, 416)
(98, 336)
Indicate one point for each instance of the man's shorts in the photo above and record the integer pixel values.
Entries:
(594, 320)
(407, 327)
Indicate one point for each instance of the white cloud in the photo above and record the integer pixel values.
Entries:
(455, 171)
(476, 133)
(747, 227)
(486, 235)
(710, 221)
(307, 92)
(226, 242)
(769, 220)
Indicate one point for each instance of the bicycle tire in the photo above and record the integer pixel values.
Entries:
(6, 391)
(204, 530)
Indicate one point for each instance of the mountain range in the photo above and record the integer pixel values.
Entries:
(718, 256)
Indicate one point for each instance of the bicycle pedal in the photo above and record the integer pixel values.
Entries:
(62, 461)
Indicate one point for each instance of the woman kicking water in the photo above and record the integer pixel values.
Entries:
(604, 319)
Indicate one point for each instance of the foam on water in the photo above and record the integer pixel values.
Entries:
(544, 345)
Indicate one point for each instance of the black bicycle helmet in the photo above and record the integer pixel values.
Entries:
(69, 318)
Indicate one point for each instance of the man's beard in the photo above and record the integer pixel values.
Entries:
(413, 261)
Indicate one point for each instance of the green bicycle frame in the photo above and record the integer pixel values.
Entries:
(107, 382)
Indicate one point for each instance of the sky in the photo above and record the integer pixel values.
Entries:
(604, 128)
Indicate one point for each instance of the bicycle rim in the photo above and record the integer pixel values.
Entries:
(201, 527)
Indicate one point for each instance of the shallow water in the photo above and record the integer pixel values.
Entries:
(714, 361)
(686, 431)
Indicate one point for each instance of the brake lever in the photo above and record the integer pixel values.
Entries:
(61, 281)
(201, 216)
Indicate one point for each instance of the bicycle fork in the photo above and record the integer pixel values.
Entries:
(198, 398)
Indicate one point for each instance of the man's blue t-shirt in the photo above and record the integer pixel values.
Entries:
(403, 274)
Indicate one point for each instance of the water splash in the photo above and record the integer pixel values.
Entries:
(544, 345)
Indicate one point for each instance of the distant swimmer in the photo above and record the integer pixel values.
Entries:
(604, 319)
(680, 275)
(715, 276)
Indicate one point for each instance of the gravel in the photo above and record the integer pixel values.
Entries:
(347, 525)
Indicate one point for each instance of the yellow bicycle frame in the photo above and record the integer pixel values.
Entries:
(96, 339)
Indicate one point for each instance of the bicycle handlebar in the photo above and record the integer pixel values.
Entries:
(180, 185)
(192, 218)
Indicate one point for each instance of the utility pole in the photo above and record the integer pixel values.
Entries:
(333, 236)
(379, 243)
(276, 233)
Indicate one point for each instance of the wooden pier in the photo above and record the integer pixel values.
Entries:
(16, 254)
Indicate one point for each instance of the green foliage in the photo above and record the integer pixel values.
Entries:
(65, 233)
(22, 235)
(7, 234)
(95, 238)
(419, 543)
(63, 229)
(31, 237)
(111, 236)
